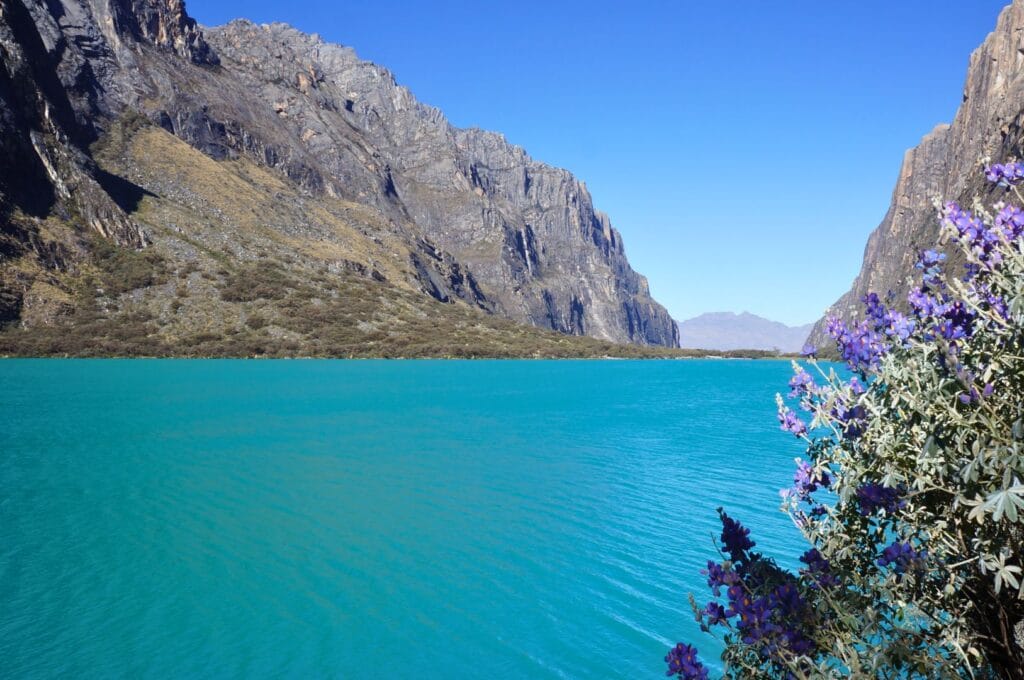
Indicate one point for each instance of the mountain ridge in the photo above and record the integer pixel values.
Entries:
(731, 331)
(459, 215)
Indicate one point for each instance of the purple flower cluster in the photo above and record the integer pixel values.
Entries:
(790, 422)
(873, 497)
(903, 558)
(972, 396)
(682, 662)
(773, 623)
(806, 481)
(860, 346)
(715, 614)
(852, 420)
(956, 322)
(982, 240)
(764, 605)
(1005, 174)
(735, 538)
(887, 321)
(720, 576)
(931, 263)
(950, 320)
(923, 304)
(1010, 222)
(801, 384)
(818, 570)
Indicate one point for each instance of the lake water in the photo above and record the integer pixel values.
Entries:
(364, 519)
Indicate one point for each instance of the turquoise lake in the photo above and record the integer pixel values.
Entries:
(373, 519)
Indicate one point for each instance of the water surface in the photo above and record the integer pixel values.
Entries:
(206, 519)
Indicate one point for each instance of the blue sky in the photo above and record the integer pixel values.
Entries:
(745, 150)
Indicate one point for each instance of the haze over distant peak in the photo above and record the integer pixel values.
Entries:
(728, 330)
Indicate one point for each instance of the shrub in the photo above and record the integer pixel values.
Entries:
(911, 496)
(124, 269)
(266, 281)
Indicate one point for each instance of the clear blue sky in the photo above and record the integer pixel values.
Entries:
(745, 150)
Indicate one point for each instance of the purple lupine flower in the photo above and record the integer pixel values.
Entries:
(735, 538)
(925, 305)
(972, 396)
(1005, 174)
(966, 224)
(874, 308)
(931, 263)
(899, 326)
(861, 347)
(872, 497)
(718, 576)
(856, 387)
(1010, 221)
(786, 600)
(835, 326)
(809, 350)
(683, 662)
(888, 321)
(998, 305)
(930, 258)
(801, 383)
(852, 419)
(950, 331)
(982, 241)
(798, 643)
(956, 321)
(754, 614)
(806, 481)
(715, 613)
(773, 623)
(789, 422)
(903, 557)
(819, 570)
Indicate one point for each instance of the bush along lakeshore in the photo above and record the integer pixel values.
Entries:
(912, 494)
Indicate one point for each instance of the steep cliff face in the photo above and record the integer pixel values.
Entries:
(476, 219)
(946, 165)
(527, 232)
(43, 135)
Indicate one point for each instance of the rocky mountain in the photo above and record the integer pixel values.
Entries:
(947, 165)
(729, 331)
(202, 155)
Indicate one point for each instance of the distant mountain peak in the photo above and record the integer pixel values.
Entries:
(743, 330)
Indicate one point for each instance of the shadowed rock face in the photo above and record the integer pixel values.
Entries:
(487, 224)
(43, 132)
(946, 165)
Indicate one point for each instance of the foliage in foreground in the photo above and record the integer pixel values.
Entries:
(912, 494)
